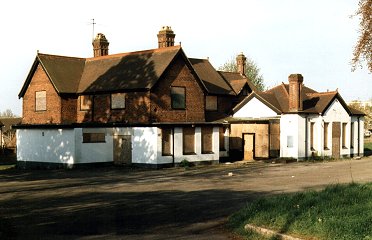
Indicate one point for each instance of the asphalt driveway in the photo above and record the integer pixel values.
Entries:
(176, 203)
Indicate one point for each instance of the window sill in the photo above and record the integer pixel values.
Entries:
(210, 152)
(191, 153)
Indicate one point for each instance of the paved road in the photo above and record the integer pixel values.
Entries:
(120, 203)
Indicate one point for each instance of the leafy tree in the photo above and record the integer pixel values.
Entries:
(363, 48)
(7, 114)
(367, 110)
(252, 71)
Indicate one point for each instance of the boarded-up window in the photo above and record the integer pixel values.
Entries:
(85, 103)
(326, 135)
(312, 136)
(40, 101)
(118, 101)
(178, 95)
(211, 103)
(207, 139)
(344, 135)
(188, 140)
(93, 137)
(352, 135)
(222, 138)
(166, 141)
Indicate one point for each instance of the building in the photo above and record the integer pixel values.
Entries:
(154, 107)
(294, 121)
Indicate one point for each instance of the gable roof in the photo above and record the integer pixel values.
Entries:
(8, 122)
(237, 81)
(134, 70)
(277, 98)
(213, 81)
(260, 96)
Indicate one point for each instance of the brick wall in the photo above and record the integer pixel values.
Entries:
(178, 75)
(41, 82)
(137, 109)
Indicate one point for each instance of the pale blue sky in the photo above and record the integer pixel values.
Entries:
(311, 37)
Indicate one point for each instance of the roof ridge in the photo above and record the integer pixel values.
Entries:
(135, 52)
(322, 93)
(60, 56)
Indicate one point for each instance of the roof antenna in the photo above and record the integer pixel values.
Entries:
(93, 23)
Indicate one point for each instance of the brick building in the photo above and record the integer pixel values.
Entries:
(153, 107)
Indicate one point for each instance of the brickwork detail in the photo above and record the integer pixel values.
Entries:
(40, 82)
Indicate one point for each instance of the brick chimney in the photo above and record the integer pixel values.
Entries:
(295, 92)
(100, 45)
(166, 37)
(240, 63)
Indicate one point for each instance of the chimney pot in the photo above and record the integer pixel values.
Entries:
(100, 45)
(240, 63)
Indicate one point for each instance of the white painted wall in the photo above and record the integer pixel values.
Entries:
(289, 132)
(255, 109)
(145, 142)
(226, 144)
(93, 152)
(46, 145)
(198, 156)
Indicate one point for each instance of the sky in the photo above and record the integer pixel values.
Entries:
(311, 37)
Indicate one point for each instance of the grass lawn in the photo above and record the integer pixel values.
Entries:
(337, 212)
(368, 146)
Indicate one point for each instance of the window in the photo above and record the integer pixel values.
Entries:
(178, 95)
(85, 102)
(93, 137)
(166, 141)
(352, 135)
(326, 125)
(207, 139)
(40, 101)
(118, 101)
(312, 136)
(188, 140)
(344, 135)
(211, 103)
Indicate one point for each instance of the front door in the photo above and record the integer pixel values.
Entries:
(122, 149)
(248, 142)
(336, 135)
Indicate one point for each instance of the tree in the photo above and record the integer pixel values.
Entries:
(252, 71)
(363, 48)
(7, 114)
(367, 109)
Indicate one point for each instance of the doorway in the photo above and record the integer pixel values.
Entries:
(248, 146)
(122, 149)
(336, 136)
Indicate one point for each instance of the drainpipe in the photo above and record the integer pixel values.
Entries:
(306, 135)
(173, 147)
(358, 136)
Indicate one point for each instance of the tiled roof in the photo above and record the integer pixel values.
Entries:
(213, 81)
(277, 98)
(8, 122)
(237, 81)
(135, 70)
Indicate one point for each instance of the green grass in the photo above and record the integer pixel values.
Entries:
(368, 146)
(5, 167)
(338, 212)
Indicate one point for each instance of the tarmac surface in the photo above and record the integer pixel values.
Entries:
(174, 203)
